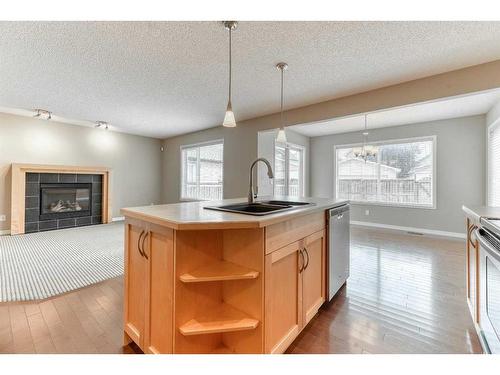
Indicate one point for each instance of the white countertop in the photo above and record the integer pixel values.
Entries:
(477, 212)
(193, 215)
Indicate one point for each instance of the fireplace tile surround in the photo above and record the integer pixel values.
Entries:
(33, 223)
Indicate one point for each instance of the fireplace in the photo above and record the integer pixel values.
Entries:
(62, 200)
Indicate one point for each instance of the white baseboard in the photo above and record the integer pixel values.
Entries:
(4, 232)
(118, 218)
(432, 232)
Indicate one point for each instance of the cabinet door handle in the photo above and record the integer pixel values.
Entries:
(301, 267)
(139, 243)
(143, 239)
(307, 264)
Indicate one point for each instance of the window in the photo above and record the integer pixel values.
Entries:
(288, 170)
(402, 173)
(494, 166)
(202, 171)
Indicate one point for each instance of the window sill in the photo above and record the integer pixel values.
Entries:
(394, 205)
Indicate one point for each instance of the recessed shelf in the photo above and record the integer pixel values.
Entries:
(220, 270)
(224, 318)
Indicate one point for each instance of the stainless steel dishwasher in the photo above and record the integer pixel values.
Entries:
(339, 248)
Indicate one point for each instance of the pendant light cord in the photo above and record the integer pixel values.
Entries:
(282, 85)
(230, 64)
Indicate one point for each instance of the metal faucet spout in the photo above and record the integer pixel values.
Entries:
(251, 194)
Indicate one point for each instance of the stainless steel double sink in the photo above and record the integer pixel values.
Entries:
(260, 208)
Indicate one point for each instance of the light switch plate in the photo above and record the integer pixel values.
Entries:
(3, 217)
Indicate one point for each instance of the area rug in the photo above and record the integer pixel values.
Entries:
(40, 265)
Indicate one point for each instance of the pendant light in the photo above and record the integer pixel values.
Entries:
(281, 137)
(229, 120)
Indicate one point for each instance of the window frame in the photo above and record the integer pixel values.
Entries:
(495, 126)
(302, 150)
(432, 138)
(195, 146)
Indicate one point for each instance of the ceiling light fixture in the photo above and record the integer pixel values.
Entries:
(366, 151)
(229, 120)
(281, 137)
(43, 114)
(102, 124)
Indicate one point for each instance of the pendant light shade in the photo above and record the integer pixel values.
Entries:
(281, 137)
(229, 120)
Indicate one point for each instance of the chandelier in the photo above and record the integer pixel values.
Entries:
(366, 151)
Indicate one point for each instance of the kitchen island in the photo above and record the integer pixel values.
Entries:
(204, 281)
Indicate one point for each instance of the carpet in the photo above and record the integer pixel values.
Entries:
(40, 265)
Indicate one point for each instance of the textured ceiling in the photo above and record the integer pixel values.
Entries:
(461, 106)
(166, 78)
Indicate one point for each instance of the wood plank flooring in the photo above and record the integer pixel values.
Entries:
(406, 294)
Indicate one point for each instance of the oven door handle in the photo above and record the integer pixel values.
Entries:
(486, 244)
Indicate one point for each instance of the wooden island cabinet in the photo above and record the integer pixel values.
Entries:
(224, 283)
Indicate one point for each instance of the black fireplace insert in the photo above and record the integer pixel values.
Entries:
(65, 200)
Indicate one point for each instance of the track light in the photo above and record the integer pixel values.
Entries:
(102, 124)
(43, 114)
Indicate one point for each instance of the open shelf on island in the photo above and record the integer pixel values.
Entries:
(224, 318)
(220, 270)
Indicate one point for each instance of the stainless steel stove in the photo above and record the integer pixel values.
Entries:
(489, 283)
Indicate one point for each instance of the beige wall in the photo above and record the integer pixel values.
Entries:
(135, 161)
(240, 147)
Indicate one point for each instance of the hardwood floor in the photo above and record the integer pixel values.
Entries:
(406, 294)
(88, 320)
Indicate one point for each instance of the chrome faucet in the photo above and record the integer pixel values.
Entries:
(251, 194)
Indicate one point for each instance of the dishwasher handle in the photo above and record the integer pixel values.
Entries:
(339, 211)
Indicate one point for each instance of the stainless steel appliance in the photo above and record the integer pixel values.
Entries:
(489, 284)
(339, 248)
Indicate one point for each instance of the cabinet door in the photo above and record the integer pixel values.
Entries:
(313, 275)
(159, 250)
(135, 283)
(283, 287)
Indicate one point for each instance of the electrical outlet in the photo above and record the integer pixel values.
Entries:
(367, 212)
(3, 217)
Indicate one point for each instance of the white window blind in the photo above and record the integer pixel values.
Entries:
(494, 166)
(288, 170)
(401, 173)
(202, 171)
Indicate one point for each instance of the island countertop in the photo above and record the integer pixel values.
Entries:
(477, 212)
(193, 215)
